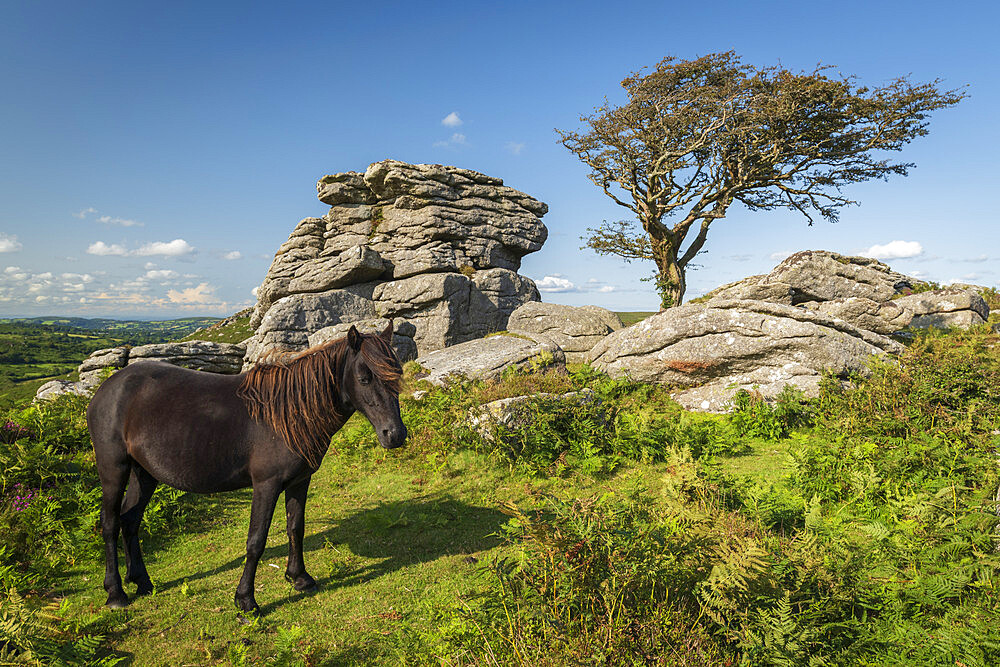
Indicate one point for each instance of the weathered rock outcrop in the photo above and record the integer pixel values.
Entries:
(196, 354)
(859, 290)
(94, 367)
(200, 355)
(438, 246)
(724, 346)
(487, 358)
(575, 329)
(819, 275)
(955, 307)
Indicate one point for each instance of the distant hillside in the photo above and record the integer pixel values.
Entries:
(34, 350)
(170, 329)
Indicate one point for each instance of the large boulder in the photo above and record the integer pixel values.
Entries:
(859, 290)
(438, 246)
(56, 388)
(514, 416)
(819, 275)
(575, 329)
(718, 348)
(954, 307)
(200, 355)
(487, 358)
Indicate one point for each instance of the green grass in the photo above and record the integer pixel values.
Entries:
(384, 542)
(22, 391)
(387, 537)
(629, 318)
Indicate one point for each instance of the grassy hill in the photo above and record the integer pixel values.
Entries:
(856, 528)
(36, 350)
(235, 329)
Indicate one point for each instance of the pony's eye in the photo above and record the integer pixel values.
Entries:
(365, 379)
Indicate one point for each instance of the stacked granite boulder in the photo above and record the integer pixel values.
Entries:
(435, 247)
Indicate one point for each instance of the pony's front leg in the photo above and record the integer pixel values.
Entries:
(265, 496)
(295, 519)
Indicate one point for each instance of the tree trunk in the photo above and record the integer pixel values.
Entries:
(670, 281)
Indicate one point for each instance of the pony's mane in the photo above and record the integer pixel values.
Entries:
(296, 394)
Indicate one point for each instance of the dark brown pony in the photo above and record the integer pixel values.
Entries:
(267, 428)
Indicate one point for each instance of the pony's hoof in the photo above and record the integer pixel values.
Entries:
(117, 601)
(302, 582)
(144, 588)
(248, 606)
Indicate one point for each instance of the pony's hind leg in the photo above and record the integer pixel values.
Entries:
(295, 510)
(114, 476)
(140, 489)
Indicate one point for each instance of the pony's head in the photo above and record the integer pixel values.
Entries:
(371, 382)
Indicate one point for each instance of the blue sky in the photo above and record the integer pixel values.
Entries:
(154, 155)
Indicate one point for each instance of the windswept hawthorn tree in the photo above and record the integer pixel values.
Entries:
(697, 135)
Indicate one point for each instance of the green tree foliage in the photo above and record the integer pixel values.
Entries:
(695, 136)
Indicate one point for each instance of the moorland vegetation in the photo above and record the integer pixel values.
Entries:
(856, 528)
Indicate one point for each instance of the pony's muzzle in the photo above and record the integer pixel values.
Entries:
(392, 437)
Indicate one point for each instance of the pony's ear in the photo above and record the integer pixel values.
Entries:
(354, 338)
(386, 334)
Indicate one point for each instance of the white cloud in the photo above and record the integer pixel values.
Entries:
(173, 248)
(123, 222)
(235, 254)
(15, 273)
(457, 139)
(780, 256)
(604, 289)
(82, 277)
(9, 243)
(894, 250)
(451, 120)
(515, 147)
(107, 219)
(202, 294)
(102, 248)
(254, 291)
(160, 274)
(555, 284)
(975, 260)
